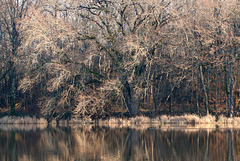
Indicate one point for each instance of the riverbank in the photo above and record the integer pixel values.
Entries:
(138, 120)
(22, 120)
(184, 121)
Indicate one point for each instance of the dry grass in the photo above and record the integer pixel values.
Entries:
(22, 120)
(188, 119)
(168, 122)
(139, 122)
(225, 120)
(80, 121)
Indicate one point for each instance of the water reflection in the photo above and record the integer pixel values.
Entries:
(104, 143)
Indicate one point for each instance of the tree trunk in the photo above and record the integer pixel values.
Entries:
(204, 89)
(171, 98)
(197, 104)
(208, 82)
(129, 98)
(231, 92)
(156, 97)
(1, 33)
(229, 89)
(13, 90)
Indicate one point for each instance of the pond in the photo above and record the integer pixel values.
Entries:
(90, 143)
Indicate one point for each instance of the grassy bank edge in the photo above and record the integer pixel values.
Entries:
(178, 120)
(160, 120)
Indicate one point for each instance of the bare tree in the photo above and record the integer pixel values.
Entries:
(11, 12)
(108, 39)
(90, 57)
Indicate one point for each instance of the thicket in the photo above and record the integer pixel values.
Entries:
(97, 58)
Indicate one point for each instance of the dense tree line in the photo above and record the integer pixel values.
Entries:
(94, 58)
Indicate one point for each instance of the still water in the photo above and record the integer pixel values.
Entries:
(90, 143)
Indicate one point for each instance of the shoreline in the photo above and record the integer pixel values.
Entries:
(163, 122)
(187, 119)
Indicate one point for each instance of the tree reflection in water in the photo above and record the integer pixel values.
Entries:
(104, 143)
